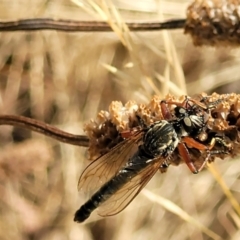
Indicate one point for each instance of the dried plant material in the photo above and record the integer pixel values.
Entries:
(29, 215)
(105, 132)
(179, 212)
(209, 22)
(223, 122)
(25, 158)
(73, 95)
(214, 22)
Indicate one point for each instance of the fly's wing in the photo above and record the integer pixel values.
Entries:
(120, 200)
(105, 167)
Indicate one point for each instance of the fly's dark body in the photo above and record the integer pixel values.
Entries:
(135, 165)
(118, 176)
(159, 140)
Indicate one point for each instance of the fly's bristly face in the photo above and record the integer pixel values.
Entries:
(189, 121)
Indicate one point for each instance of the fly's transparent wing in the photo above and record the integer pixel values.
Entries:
(120, 200)
(105, 167)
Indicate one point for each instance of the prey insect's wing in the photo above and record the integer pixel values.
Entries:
(105, 167)
(120, 200)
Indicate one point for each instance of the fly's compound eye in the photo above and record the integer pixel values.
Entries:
(160, 139)
(188, 123)
(180, 112)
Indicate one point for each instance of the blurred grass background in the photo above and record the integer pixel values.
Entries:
(64, 79)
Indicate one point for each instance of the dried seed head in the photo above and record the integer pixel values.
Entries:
(227, 119)
(214, 22)
(105, 131)
(223, 123)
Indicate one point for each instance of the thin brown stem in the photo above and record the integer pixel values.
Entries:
(84, 26)
(44, 128)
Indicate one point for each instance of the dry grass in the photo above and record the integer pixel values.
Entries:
(65, 79)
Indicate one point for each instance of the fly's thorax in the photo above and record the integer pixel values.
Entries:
(160, 139)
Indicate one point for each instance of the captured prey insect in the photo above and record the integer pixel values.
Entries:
(118, 176)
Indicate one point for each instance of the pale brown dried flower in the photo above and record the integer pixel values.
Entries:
(105, 132)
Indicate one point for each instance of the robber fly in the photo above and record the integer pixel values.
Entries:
(117, 177)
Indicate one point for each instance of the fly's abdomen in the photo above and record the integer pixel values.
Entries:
(104, 193)
(84, 211)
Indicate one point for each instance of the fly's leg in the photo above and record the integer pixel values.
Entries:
(202, 103)
(184, 104)
(227, 149)
(190, 142)
(165, 110)
(164, 166)
(183, 151)
(130, 132)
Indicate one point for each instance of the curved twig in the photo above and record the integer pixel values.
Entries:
(44, 128)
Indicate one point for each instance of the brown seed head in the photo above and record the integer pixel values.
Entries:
(223, 122)
(214, 22)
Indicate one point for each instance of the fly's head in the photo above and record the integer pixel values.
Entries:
(160, 139)
(190, 121)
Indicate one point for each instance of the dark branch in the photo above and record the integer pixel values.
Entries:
(84, 26)
(44, 128)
